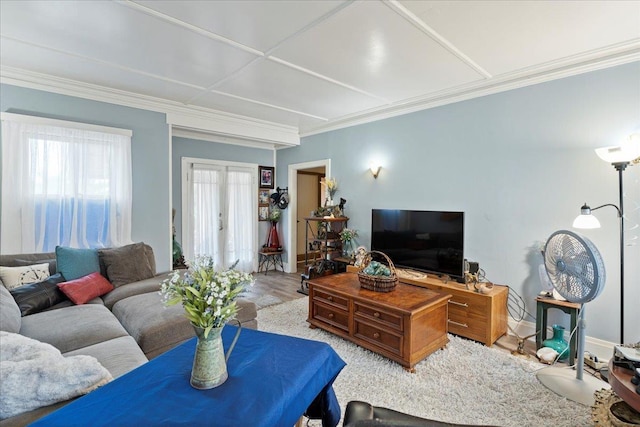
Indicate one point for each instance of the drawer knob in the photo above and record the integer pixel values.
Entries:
(376, 314)
(330, 298)
(376, 335)
(330, 315)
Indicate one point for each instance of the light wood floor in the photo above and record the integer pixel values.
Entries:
(285, 286)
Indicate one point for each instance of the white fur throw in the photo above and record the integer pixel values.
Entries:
(35, 374)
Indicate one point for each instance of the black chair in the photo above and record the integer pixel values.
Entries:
(362, 414)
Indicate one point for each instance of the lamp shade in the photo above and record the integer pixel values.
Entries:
(585, 219)
(628, 151)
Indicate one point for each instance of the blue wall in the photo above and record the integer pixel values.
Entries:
(151, 220)
(519, 163)
(185, 147)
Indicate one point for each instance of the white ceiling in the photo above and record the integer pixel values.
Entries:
(285, 68)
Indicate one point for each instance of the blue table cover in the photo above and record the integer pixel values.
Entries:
(272, 381)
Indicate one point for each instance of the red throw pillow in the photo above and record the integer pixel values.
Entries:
(86, 288)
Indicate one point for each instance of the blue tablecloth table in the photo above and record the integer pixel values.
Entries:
(273, 379)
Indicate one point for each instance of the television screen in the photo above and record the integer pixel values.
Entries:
(431, 241)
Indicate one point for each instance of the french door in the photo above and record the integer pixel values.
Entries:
(220, 212)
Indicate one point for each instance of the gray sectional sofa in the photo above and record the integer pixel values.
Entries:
(122, 329)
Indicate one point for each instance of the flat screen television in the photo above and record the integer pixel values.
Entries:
(429, 241)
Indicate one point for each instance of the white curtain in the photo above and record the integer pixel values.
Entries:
(240, 244)
(207, 213)
(223, 215)
(63, 185)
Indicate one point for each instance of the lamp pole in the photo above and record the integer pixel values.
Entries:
(620, 167)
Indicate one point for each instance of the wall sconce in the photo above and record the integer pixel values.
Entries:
(375, 170)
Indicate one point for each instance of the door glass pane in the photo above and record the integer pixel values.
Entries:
(207, 209)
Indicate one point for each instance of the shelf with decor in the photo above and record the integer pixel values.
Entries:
(322, 235)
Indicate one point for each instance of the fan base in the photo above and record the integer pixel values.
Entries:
(563, 381)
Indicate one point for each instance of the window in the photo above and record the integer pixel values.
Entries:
(65, 184)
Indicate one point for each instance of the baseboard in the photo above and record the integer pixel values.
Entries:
(602, 349)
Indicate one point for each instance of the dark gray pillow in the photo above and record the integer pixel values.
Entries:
(10, 320)
(126, 264)
(36, 297)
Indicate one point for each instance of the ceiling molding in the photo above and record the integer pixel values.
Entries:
(212, 121)
(610, 57)
(219, 138)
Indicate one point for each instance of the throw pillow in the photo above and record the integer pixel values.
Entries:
(10, 319)
(126, 264)
(75, 263)
(86, 288)
(52, 264)
(35, 297)
(12, 277)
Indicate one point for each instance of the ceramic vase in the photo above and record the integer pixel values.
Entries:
(273, 241)
(347, 249)
(557, 342)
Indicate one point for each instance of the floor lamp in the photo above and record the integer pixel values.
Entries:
(621, 156)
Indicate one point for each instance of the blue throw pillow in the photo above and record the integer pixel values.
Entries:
(75, 263)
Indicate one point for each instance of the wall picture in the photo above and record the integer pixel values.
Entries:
(266, 176)
(263, 197)
(263, 213)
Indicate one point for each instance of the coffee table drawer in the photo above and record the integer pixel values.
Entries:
(380, 338)
(331, 315)
(385, 318)
(331, 299)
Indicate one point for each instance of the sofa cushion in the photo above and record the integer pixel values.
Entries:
(155, 328)
(10, 319)
(74, 327)
(74, 263)
(12, 277)
(86, 288)
(131, 289)
(35, 297)
(126, 264)
(119, 355)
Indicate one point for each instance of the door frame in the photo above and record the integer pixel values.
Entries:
(185, 163)
(291, 264)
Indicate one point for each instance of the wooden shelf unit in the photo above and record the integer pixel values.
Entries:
(405, 325)
(319, 262)
(480, 317)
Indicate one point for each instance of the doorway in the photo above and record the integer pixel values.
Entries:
(310, 196)
(219, 212)
(296, 215)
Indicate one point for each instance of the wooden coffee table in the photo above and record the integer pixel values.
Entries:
(405, 325)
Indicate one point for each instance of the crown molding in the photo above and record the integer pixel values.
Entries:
(612, 56)
(201, 135)
(230, 127)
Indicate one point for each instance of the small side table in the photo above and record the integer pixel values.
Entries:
(571, 308)
(268, 259)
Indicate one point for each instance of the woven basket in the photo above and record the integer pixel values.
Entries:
(378, 283)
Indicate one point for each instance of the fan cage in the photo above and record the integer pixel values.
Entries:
(574, 266)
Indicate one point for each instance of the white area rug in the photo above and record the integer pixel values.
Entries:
(466, 383)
